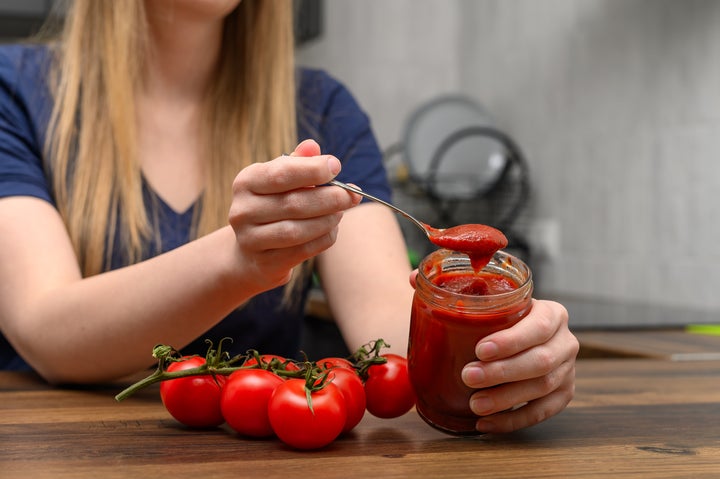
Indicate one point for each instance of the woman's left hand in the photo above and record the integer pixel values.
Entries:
(526, 372)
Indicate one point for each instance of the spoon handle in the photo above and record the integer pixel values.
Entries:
(369, 196)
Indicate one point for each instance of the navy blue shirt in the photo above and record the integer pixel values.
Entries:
(327, 112)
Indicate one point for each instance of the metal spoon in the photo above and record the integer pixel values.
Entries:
(476, 240)
(428, 230)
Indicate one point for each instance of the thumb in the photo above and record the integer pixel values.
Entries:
(307, 148)
(413, 278)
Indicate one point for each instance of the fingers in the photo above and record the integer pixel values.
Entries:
(532, 363)
(533, 411)
(505, 396)
(284, 189)
(297, 204)
(280, 217)
(305, 166)
(288, 233)
(543, 321)
(274, 265)
(270, 251)
(286, 173)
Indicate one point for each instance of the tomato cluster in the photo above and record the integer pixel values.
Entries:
(307, 405)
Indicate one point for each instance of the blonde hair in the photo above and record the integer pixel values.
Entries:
(250, 116)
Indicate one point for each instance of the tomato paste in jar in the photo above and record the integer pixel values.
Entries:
(454, 307)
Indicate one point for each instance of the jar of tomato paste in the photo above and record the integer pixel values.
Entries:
(454, 307)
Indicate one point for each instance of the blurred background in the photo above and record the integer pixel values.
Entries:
(18, 18)
(614, 104)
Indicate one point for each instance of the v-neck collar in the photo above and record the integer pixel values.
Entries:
(152, 197)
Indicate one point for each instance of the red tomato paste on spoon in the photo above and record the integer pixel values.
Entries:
(479, 242)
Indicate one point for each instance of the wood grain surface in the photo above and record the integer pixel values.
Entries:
(630, 418)
(672, 344)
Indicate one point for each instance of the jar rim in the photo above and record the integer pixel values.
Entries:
(499, 263)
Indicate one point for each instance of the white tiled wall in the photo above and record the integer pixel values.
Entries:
(615, 102)
(390, 54)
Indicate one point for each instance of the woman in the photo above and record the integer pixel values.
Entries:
(118, 148)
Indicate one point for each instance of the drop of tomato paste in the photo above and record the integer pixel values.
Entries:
(479, 242)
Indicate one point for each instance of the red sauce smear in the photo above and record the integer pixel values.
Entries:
(479, 242)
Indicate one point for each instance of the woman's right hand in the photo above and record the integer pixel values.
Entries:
(279, 216)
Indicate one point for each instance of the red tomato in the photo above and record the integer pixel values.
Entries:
(244, 401)
(351, 387)
(387, 388)
(194, 400)
(266, 359)
(298, 426)
(328, 363)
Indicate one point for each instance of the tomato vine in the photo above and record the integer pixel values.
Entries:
(306, 404)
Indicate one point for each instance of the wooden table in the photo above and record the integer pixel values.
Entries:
(630, 418)
(670, 344)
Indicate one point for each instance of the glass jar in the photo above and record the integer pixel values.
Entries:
(453, 308)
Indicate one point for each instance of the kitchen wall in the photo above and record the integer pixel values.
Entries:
(616, 104)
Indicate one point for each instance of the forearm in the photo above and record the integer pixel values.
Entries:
(72, 329)
(365, 277)
(105, 326)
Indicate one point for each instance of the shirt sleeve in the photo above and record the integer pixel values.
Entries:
(23, 100)
(329, 114)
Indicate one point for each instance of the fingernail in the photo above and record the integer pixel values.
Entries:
(482, 405)
(473, 376)
(486, 351)
(334, 165)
